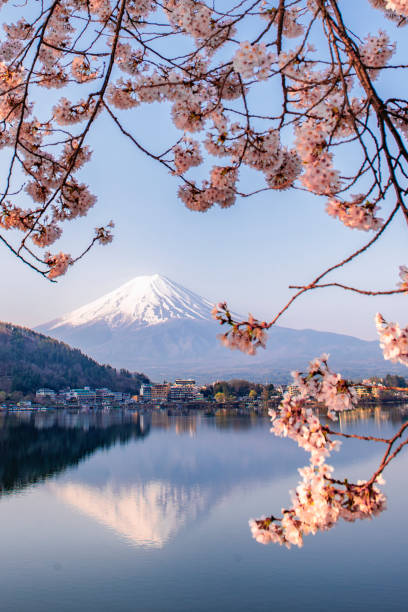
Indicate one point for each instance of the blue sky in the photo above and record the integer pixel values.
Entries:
(247, 254)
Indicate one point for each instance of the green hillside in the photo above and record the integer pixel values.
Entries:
(29, 361)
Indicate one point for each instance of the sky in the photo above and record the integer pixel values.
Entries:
(247, 255)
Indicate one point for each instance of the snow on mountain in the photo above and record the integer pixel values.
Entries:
(155, 325)
(145, 300)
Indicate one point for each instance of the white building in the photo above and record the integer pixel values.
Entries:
(45, 394)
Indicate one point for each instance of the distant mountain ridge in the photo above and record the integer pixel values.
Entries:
(29, 361)
(155, 325)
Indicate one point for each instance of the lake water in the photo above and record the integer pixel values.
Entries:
(121, 512)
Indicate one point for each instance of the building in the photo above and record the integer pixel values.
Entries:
(183, 390)
(104, 396)
(363, 391)
(119, 397)
(180, 394)
(45, 393)
(185, 382)
(146, 392)
(160, 392)
(293, 390)
(85, 396)
(389, 393)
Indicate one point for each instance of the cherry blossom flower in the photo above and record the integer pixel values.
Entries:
(104, 234)
(81, 70)
(246, 336)
(358, 214)
(393, 340)
(58, 264)
(66, 113)
(187, 155)
(253, 61)
(376, 52)
(46, 235)
(399, 6)
(285, 175)
(404, 277)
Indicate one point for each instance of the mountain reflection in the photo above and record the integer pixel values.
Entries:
(148, 514)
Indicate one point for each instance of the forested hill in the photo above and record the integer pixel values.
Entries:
(29, 361)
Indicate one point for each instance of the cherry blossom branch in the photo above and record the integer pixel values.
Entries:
(347, 288)
(321, 500)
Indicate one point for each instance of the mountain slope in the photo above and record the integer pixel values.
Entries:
(145, 300)
(29, 360)
(154, 324)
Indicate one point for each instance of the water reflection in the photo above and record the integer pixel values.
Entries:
(158, 473)
(148, 514)
(37, 445)
(116, 511)
(376, 414)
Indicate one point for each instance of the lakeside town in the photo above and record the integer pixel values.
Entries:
(186, 394)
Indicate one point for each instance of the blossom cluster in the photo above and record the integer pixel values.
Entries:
(358, 214)
(398, 6)
(393, 340)
(291, 27)
(253, 61)
(319, 175)
(219, 190)
(322, 385)
(58, 264)
(400, 118)
(317, 505)
(198, 20)
(376, 52)
(394, 10)
(246, 336)
(187, 155)
(104, 235)
(403, 273)
(318, 501)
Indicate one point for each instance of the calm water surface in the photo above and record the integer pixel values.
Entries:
(122, 512)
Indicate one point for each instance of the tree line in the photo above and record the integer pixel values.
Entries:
(29, 361)
(233, 389)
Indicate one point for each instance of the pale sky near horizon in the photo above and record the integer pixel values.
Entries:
(247, 254)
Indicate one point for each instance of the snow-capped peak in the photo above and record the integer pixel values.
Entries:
(145, 300)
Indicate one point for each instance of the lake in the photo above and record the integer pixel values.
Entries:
(122, 511)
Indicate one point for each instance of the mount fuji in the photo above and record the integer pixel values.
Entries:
(143, 301)
(155, 325)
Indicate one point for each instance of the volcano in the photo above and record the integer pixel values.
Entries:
(153, 324)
